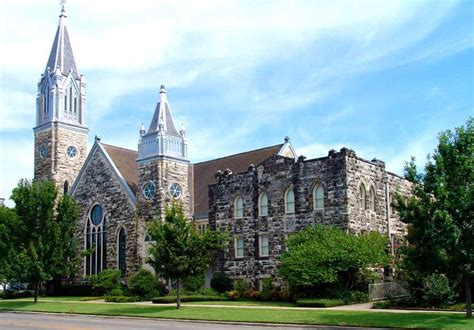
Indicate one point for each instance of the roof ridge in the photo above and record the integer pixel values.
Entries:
(240, 153)
(110, 145)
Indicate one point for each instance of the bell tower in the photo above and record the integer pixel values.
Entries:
(163, 164)
(60, 132)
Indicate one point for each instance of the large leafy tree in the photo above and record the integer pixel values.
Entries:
(440, 213)
(10, 261)
(45, 228)
(319, 256)
(178, 250)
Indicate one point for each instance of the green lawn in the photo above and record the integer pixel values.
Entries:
(244, 303)
(373, 319)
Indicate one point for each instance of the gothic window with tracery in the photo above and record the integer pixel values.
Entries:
(318, 197)
(96, 241)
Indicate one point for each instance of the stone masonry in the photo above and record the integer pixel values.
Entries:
(339, 173)
(57, 166)
(99, 185)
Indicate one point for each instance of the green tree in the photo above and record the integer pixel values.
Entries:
(440, 213)
(10, 261)
(321, 255)
(178, 250)
(45, 230)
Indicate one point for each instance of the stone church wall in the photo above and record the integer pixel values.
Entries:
(57, 166)
(339, 173)
(100, 185)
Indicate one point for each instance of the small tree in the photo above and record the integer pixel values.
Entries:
(178, 251)
(441, 212)
(44, 238)
(325, 256)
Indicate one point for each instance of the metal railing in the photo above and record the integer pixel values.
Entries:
(379, 291)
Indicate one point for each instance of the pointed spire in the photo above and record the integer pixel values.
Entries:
(162, 120)
(142, 130)
(61, 55)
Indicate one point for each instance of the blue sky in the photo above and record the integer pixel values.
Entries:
(380, 77)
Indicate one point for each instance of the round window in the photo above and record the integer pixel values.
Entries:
(175, 190)
(96, 215)
(71, 152)
(43, 151)
(148, 190)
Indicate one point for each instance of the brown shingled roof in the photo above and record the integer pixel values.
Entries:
(201, 174)
(204, 173)
(125, 161)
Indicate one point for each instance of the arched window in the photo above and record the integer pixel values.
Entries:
(372, 198)
(239, 208)
(318, 197)
(66, 187)
(362, 196)
(122, 246)
(96, 241)
(263, 205)
(289, 201)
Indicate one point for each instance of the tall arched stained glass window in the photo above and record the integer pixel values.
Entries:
(289, 201)
(122, 247)
(96, 241)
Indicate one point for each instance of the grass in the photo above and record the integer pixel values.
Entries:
(245, 303)
(319, 302)
(295, 316)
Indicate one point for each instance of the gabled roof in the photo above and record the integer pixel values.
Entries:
(125, 161)
(61, 53)
(204, 173)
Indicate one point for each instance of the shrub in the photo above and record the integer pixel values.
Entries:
(319, 302)
(106, 281)
(251, 294)
(436, 291)
(144, 284)
(7, 294)
(382, 305)
(122, 299)
(83, 290)
(268, 290)
(233, 294)
(221, 283)
(241, 285)
(116, 292)
(186, 298)
(354, 297)
(194, 283)
(207, 292)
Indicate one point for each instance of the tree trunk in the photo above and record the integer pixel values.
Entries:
(178, 302)
(36, 292)
(467, 286)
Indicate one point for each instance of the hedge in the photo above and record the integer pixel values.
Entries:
(122, 299)
(319, 302)
(186, 298)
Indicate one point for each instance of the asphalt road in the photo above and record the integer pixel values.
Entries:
(82, 322)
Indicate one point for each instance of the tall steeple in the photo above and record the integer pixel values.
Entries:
(162, 139)
(61, 90)
(61, 55)
(60, 132)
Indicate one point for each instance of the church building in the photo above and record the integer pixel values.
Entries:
(259, 196)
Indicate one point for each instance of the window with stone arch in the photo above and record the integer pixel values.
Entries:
(239, 207)
(318, 197)
(361, 197)
(289, 201)
(66, 187)
(263, 205)
(122, 251)
(96, 241)
(372, 198)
